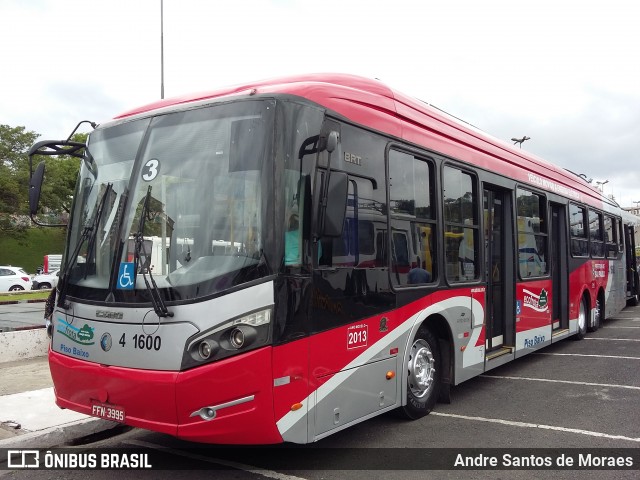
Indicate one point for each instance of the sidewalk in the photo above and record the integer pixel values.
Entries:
(29, 417)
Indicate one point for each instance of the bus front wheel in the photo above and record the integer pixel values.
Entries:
(423, 375)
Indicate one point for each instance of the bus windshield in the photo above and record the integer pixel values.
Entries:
(207, 172)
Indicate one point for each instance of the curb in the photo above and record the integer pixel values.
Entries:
(13, 302)
(23, 344)
(59, 435)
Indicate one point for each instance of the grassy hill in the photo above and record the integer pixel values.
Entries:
(29, 252)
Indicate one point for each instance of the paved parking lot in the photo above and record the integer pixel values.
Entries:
(574, 396)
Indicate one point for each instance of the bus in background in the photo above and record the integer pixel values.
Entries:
(280, 260)
(51, 263)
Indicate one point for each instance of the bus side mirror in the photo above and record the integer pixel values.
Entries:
(35, 187)
(332, 141)
(336, 204)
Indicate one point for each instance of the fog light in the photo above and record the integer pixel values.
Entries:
(237, 338)
(204, 350)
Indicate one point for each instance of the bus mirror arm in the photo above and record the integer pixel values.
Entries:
(94, 125)
(36, 178)
(304, 149)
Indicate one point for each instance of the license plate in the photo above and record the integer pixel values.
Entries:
(108, 412)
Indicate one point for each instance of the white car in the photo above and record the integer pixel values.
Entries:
(45, 281)
(13, 279)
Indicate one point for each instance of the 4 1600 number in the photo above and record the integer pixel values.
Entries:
(143, 342)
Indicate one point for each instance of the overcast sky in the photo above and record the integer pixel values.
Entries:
(565, 73)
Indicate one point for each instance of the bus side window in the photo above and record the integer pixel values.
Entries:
(532, 234)
(610, 234)
(578, 231)
(364, 223)
(461, 225)
(411, 201)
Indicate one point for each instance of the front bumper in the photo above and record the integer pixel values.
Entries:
(165, 401)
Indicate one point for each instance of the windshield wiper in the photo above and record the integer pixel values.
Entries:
(89, 233)
(156, 299)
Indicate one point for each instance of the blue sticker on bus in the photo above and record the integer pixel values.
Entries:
(126, 277)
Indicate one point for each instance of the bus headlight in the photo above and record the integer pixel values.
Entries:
(206, 348)
(255, 319)
(235, 336)
(242, 336)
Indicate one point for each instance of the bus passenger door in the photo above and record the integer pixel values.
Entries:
(559, 268)
(499, 260)
(633, 287)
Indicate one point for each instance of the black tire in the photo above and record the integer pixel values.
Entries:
(44, 286)
(16, 288)
(635, 299)
(423, 376)
(582, 319)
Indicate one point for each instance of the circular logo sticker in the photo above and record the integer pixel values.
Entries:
(105, 342)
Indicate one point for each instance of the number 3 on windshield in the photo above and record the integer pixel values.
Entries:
(150, 170)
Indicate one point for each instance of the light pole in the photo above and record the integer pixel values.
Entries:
(520, 140)
(161, 49)
(601, 185)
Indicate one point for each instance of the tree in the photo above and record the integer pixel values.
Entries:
(60, 178)
(61, 174)
(14, 144)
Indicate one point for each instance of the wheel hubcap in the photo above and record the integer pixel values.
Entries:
(582, 317)
(421, 368)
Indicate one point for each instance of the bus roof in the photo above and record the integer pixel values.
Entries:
(373, 104)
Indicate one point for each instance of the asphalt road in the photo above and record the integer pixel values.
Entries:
(570, 398)
(18, 316)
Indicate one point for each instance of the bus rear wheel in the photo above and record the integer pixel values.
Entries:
(598, 312)
(423, 375)
(582, 320)
(635, 298)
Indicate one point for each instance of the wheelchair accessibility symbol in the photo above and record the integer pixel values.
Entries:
(126, 276)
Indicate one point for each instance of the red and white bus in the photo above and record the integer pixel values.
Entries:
(331, 250)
